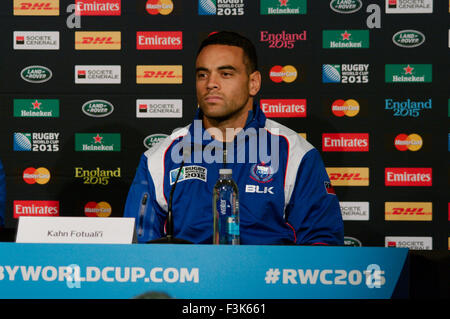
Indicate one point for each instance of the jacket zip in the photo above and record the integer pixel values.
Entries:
(142, 209)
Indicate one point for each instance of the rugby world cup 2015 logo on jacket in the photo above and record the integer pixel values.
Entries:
(188, 172)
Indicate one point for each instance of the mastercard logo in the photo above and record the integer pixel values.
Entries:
(412, 142)
(94, 209)
(286, 74)
(33, 175)
(163, 7)
(342, 108)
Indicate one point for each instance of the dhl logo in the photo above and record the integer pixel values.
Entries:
(97, 40)
(408, 211)
(167, 74)
(159, 74)
(36, 7)
(102, 40)
(348, 176)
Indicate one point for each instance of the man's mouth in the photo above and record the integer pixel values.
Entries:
(213, 98)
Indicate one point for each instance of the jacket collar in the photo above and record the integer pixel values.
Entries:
(255, 119)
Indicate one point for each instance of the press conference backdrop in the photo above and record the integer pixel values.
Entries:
(84, 92)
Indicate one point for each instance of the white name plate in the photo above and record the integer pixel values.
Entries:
(75, 230)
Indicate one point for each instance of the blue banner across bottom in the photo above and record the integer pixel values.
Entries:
(74, 271)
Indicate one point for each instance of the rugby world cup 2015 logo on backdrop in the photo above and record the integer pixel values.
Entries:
(345, 73)
(36, 142)
(221, 7)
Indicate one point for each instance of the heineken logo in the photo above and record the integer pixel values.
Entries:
(345, 39)
(408, 38)
(36, 74)
(345, 6)
(282, 7)
(97, 142)
(36, 108)
(408, 73)
(97, 108)
(153, 139)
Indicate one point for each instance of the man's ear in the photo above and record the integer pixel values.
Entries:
(254, 83)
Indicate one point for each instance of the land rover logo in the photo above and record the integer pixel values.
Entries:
(97, 108)
(153, 139)
(36, 74)
(345, 6)
(352, 242)
(408, 38)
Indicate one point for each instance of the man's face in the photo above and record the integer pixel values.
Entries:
(224, 87)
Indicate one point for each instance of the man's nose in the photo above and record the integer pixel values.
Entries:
(213, 82)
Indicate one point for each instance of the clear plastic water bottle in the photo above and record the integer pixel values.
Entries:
(226, 210)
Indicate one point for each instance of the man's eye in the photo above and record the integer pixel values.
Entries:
(201, 75)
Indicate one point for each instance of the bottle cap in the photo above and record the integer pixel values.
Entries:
(225, 171)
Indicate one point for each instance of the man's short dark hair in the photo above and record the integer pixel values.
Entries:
(237, 40)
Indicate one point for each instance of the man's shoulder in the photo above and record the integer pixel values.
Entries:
(295, 140)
